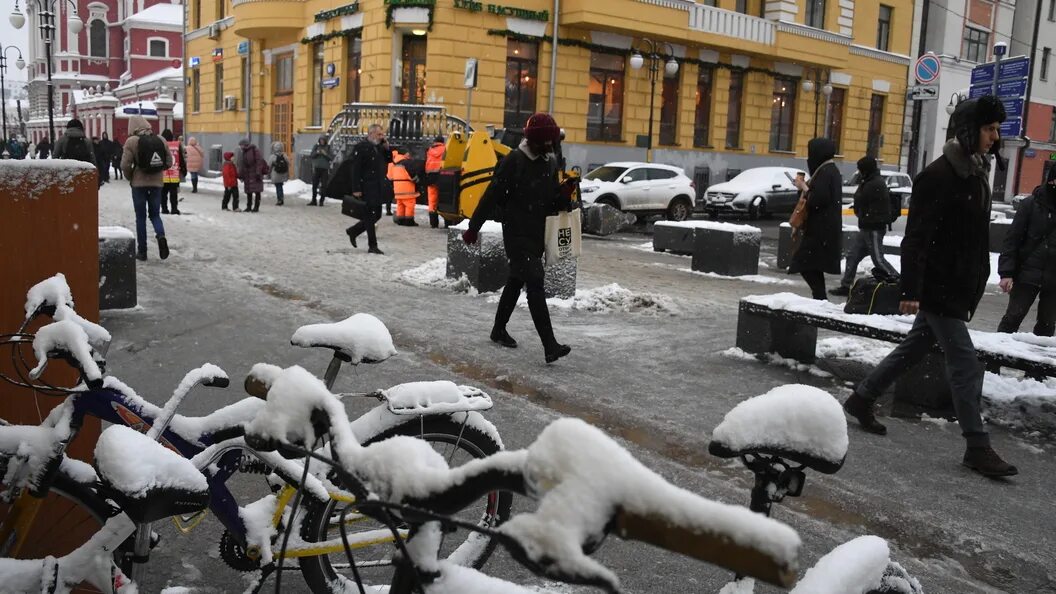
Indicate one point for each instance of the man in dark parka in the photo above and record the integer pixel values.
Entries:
(945, 266)
(819, 248)
(1028, 261)
(369, 164)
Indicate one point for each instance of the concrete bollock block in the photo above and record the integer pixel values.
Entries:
(677, 239)
(758, 335)
(603, 219)
(486, 267)
(726, 249)
(117, 268)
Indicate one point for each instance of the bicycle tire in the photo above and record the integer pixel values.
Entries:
(88, 512)
(319, 572)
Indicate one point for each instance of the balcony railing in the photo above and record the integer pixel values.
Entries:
(727, 23)
(813, 33)
(412, 127)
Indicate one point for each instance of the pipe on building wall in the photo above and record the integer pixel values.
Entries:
(1026, 100)
(247, 83)
(553, 56)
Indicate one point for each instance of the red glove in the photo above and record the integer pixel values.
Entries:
(469, 236)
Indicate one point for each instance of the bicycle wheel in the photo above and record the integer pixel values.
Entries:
(74, 514)
(458, 443)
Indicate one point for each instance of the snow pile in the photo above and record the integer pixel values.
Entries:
(855, 567)
(32, 177)
(864, 350)
(455, 579)
(434, 274)
(292, 398)
(585, 477)
(791, 418)
(775, 359)
(362, 337)
(64, 336)
(435, 397)
(260, 529)
(35, 445)
(608, 299)
(135, 464)
(751, 278)
(52, 292)
(741, 586)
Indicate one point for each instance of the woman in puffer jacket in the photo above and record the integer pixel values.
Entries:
(195, 158)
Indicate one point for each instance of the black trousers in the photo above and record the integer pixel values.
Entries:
(170, 198)
(1020, 299)
(319, 177)
(526, 272)
(230, 194)
(367, 224)
(816, 281)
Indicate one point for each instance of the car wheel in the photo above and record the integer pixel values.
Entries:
(680, 209)
(608, 200)
(757, 209)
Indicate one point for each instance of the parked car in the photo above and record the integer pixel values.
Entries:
(898, 183)
(641, 188)
(755, 192)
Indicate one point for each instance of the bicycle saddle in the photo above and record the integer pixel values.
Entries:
(799, 423)
(148, 481)
(361, 338)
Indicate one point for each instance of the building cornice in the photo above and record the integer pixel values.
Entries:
(872, 52)
(222, 24)
(813, 33)
(683, 5)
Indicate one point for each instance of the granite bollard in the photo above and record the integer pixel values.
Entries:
(485, 266)
(117, 268)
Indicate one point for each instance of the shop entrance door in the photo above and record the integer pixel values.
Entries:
(413, 88)
(282, 107)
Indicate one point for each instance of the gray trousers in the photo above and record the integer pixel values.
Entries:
(867, 243)
(962, 369)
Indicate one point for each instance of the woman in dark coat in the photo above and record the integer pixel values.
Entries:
(819, 248)
(251, 170)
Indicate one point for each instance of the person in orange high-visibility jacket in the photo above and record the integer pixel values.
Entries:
(434, 161)
(404, 189)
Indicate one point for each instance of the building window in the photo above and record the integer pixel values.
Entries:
(196, 90)
(1052, 10)
(97, 39)
(158, 48)
(733, 113)
(197, 13)
(605, 90)
(522, 63)
(883, 28)
(815, 14)
(702, 119)
(354, 57)
(975, 44)
(218, 86)
(836, 100)
(669, 109)
(283, 74)
(221, 9)
(782, 114)
(315, 84)
(1046, 53)
(876, 123)
(742, 6)
(1052, 126)
(246, 81)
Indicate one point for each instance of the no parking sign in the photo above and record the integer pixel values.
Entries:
(927, 68)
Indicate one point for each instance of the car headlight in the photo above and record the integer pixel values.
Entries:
(588, 189)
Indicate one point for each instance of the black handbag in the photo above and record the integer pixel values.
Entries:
(871, 296)
(353, 207)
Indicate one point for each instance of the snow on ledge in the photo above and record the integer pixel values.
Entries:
(488, 227)
(116, 233)
(854, 567)
(710, 225)
(36, 176)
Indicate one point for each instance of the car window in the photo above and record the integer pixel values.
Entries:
(905, 181)
(781, 180)
(636, 175)
(605, 173)
(892, 181)
(657, 174)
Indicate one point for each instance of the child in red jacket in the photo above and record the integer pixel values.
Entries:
(230, 182)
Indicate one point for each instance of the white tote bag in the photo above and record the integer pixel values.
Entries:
(564, 236)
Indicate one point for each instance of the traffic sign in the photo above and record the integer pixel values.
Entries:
(1011, 127)
(976, 92)
(330, 83)
(923, 93)
(243, 47)
(983, 74)
(1012, 88)
(1015, 68)
(1013, 107)
(927, 68)
(176, 63)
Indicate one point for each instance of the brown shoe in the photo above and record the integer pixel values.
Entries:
(986, 462)
(862, 409)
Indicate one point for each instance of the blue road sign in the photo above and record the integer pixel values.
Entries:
(1012, 88)
(1015, 68)
(1013, 107)
(195, 61)
(976, 92)
(927, 68)
(1011, 127)
(330, 83)
(983, 74)
(243, 47)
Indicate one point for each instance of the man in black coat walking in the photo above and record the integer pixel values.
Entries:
(945, 266)
(370, 161)
(819, 250)
(1028, 261)
(872, 206)
(525, 190)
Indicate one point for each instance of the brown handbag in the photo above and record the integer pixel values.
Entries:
(799, 215)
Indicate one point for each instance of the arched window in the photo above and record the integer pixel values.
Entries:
(97, 39)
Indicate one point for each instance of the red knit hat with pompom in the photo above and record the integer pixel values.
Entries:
(540, 128)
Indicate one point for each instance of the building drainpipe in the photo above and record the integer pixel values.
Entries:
(249, 88)
(553, 56)
(1026, 100)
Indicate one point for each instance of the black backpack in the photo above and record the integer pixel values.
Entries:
(150, 154)
(77, 148)
(281, 165)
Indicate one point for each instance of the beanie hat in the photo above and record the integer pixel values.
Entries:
(75, 123)
(229, 155)
(973, 114)
(867, 165)
(540, 128)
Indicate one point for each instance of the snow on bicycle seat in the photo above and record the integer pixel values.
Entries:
(798, 423)
(362, 338)
(415, 398)
(150, 482)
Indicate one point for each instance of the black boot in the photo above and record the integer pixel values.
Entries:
(862, 409)
(141, 255)
(501, 336)
(351, 237)
(434, 220)
(541, 318)
(163, 247)
(985, 461)
(411, 222)
(312, 203)
(375, 250)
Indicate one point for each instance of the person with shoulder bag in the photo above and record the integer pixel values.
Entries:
(144, 159)
(366, 181)
(872, 206)
(1027, 266)
(818, 219)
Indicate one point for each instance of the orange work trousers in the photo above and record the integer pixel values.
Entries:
(405, 207)
(434, 198)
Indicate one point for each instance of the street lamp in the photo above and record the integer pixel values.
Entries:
(20, 63)
(670, 69)
(809, 86)
(954, 100)
(46, 14)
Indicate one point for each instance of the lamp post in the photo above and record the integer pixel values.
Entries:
(46, 14)
(20, 63)
(670, 69)
(818, 88)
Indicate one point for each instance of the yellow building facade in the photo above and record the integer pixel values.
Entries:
(282, 69)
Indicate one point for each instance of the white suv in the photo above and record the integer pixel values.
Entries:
(641, 188)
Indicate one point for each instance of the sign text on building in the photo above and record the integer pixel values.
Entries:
(345, 10)
(502, 10)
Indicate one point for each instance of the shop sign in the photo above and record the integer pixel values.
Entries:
(218, 54)
(195, 61)
(1052, 156)
(330, 83)
(503, 10)
(1030, 153)
(345, 10)
(243, 48)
